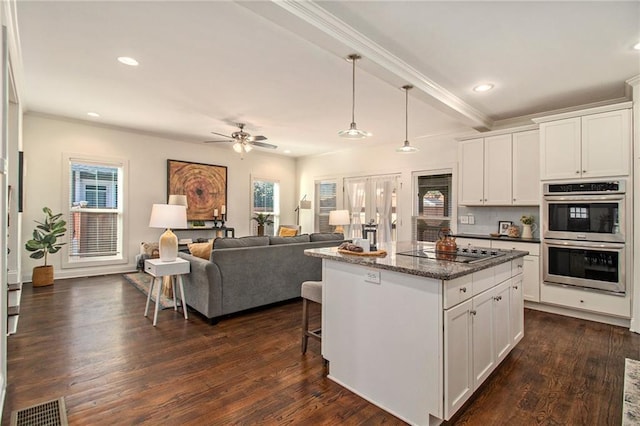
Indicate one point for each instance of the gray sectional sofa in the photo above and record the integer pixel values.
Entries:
(248, 272)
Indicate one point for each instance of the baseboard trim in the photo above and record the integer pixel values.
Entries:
(589, 316)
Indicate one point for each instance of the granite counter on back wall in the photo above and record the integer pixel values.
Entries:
(501, 238)
(486, 218)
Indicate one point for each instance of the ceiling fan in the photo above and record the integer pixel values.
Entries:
(243, 141)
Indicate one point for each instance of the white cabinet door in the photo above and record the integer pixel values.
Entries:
(458, 374)
(531, 278)
(560, 155)
(526, 168)
(471, 161)
(497, 170)
(516, 309)
(483, 337)
(502, 320)
(606, 140)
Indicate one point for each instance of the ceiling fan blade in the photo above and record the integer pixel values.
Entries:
(264, 145)
(225, 140)
(220, 134)
(257, 138)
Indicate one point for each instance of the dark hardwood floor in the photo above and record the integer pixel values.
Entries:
(87, 340)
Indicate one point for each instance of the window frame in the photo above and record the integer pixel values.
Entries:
(317, 213)
(275, 215)
(122, 194)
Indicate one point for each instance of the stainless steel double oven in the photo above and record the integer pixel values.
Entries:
(584, 230)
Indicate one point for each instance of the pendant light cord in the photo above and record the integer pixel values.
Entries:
(406, 114)
(353, 90)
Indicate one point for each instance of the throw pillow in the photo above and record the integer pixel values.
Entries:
(202, 250)
(152, 250)
(287, 232)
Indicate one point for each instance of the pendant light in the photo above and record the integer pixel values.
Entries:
(353, 132)
(406, 148)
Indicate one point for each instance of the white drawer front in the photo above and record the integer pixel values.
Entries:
(502, 272)
(483, 280)
(457, 290)
(586, 300)
(517, 266)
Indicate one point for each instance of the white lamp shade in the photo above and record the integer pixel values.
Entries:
(178, 200)
(168, 216)
(339, 217)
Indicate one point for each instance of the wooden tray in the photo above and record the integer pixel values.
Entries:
(377, 253)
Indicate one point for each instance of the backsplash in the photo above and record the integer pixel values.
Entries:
(486, 218)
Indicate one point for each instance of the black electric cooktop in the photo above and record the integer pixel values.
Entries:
(462, 255)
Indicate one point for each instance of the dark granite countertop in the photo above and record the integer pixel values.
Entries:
(438, 269)
(500, 238)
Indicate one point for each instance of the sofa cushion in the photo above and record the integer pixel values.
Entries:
(304, 238)
(222, 243)
(202, 250)
(326, 236)
(287, 232)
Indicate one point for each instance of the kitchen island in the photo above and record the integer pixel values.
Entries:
(415, 334)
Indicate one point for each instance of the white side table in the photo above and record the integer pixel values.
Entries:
(158, 269)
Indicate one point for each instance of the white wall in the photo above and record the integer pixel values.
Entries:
(361, 160)
(46, 138)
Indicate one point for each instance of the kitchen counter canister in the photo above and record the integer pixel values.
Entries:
(430, 268)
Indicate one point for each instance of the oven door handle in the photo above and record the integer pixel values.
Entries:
(584, 244)
(583, 198)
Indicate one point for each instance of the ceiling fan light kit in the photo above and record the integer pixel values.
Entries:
(353, 132)
(243, 141)
(406, 147)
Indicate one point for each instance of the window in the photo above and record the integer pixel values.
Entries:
(95, 222)
(434, 206)
(266, 199)
(373, 198)
(326, 202)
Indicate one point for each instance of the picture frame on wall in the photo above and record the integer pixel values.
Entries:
(205, 186)
(503, 227)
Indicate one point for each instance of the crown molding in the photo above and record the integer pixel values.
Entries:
(312, 13)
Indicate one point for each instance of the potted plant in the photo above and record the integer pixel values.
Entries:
(45, 242)
(528, 226)
(262, 219)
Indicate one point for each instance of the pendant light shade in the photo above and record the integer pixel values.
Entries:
(406, 147)
(353, 132)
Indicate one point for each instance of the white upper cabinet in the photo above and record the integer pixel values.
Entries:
(497, 170)
(526, 168)
(500, 170)
(472, 172)
(589, 146)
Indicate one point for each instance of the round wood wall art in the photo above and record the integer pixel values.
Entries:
(205, 186)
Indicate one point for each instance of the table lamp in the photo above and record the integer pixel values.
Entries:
(168, 216)
(178, 200)
(338, 218)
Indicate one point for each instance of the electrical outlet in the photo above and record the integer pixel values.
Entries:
(372, 276)
(464, 219)
(472, 220)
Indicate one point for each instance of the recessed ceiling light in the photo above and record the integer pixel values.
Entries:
(483, 87)
(637, 46)
(287, 151)
(128, 61)
(93, 114)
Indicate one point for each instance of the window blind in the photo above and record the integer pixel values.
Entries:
(95, 214)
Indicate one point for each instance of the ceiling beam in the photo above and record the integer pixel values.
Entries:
(315, 15)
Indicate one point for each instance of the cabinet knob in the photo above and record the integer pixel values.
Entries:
(519, 266)
(584, 171)
(577, 172)
(497, 298)
(515, 287)
(514, 199)
(472, 312)
(485, 199)
(581, 301)
(463, 289)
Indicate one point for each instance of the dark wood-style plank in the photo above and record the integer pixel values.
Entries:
(87, 340)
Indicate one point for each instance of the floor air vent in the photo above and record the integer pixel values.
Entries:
(50, 413)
